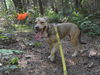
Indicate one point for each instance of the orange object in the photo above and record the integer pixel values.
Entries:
(22, 16)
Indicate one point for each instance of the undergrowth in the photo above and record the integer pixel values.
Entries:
(83, 21)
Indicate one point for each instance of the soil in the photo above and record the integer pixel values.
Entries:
(34, 60)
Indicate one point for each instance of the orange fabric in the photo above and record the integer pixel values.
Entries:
(22, 16)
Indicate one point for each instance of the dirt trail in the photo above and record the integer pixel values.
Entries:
(35, 62)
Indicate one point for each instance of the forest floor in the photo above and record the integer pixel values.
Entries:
(34, 60)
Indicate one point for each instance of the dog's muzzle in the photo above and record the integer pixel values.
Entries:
(37, 28)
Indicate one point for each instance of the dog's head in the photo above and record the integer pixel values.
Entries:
(41, 23)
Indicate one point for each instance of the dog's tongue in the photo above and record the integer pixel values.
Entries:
(38, 36)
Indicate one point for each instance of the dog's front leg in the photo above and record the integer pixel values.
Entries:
(53, 51)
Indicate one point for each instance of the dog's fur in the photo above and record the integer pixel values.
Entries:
(64, 29)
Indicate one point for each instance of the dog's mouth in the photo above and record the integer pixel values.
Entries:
(39, 34)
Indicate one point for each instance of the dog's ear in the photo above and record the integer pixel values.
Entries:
(46, 18)
(36, 19)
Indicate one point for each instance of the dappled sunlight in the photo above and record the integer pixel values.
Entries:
(23, 28)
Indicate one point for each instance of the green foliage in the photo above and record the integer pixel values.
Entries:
(9, 16)
(14, 60)
(3, 37)
(9, 67)
(85, 24)
(90, 28)
(10, 5)
(76, 17)
(9, 19)
(8, 60)
(33, 14)
(83, 2)
(54, 17)
(3, 13)
(36, 12)
(37, 44)
(9, 51)
(22, 27)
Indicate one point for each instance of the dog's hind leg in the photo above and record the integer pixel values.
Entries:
(75, 43)
(53, 51)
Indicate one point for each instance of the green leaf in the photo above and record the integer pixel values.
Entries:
(9, 51)
(9, 67)
(14, 60)
(37, 44)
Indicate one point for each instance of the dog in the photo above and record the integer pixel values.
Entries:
(47, 30)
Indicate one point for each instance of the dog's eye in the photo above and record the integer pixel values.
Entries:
(42, 22)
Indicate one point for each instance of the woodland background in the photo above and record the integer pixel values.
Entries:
(21, 54)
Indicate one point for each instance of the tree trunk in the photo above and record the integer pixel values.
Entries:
(18, 5)
(35, 3)
(54, 8)
(78, 4)
(4, 4)
(41, 7)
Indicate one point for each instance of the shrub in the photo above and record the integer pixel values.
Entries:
(90, 28)
(85, 23)
(53, 16)
(76, 17)
(14, 60)
(33, 14)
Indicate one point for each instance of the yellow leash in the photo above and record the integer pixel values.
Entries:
(61, 51)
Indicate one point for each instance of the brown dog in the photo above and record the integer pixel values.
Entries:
(45, 29)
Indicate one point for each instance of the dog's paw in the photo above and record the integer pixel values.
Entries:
(51, 58)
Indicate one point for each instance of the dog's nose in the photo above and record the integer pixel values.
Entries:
(37, 28)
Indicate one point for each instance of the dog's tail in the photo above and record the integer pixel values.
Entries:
(80, 39)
